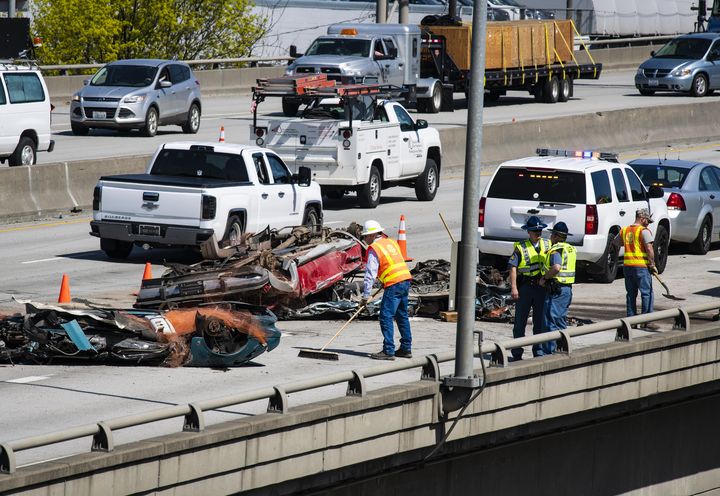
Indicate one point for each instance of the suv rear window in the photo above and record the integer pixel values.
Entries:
(665, 176)
(200, 163)
(538, 185)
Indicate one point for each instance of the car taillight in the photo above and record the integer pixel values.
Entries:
(676, 202)
(591, 219)
(481, 213)
(347, 133)
(209, 207)
(97, 197)
(260, 132)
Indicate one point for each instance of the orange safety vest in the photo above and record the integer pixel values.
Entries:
(635, 252)
(393, 268)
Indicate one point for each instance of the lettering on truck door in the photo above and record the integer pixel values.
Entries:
(283, 193)
(411, 147)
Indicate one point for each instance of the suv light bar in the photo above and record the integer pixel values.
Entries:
(552, 152)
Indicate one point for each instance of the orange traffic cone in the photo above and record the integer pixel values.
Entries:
(64, 296)
(402, 240)
(222, 134)
(147, 274)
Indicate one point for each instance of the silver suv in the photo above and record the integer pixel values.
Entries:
(138, 94)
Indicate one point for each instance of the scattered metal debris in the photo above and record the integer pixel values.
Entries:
(220, 335)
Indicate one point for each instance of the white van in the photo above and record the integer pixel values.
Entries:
(24, 114)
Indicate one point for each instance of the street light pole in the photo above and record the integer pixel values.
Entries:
(459, 386)
(381, 12)
(404, 11)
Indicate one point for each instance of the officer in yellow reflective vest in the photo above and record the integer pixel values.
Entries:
(558, 277)
(525, 266)
(386, 262)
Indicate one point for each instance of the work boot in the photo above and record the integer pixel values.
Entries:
(400, 353)
(381, 356)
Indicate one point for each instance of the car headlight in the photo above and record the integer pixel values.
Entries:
(289, 71)
(640, 71)
(134, 99)
(682, 72)
(76, 98)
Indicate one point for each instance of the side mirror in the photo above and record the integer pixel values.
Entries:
(421, 124)
(165, 83)
(393, 53)
(303, 177)
(652, 53)
(86, 82)
(293, 52)
(656, 192)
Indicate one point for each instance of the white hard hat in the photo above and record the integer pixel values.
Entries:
(372, 227)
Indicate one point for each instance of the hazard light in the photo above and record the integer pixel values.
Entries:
(349, 31)
(551, 152)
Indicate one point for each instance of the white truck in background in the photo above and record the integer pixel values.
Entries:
(203, 195)
(351, 139)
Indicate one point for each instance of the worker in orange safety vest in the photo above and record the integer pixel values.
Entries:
(386, 262)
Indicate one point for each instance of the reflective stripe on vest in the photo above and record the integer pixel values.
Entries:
(531, 261)
(567, 266)
(635, 253)
(393, 268)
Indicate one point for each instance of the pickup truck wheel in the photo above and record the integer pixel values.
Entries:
(312, 220)
(79, 129)
(114, 248)
(151, 123)
(551, 90)
(290, 108)
(369, 193)
(565, 87)
(233, 232)
(609, 263)
(24, 154)
(192, 125)
(426, 185)
(661, 244)
(701, 245)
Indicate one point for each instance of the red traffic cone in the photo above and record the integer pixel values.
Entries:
(402, 240)
(147, 274)
(64, 296)
(222, 134)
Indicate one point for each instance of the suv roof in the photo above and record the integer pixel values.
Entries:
(561, 163)
(709, 36)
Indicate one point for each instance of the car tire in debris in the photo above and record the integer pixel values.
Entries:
(369, 193)
(79, 129)
(114, 248)
(701, 244)
(151, 123)
(551, 90)
(699, 86)
(192, 125)
(661, 244)
(311, 220)
(25, 153)
(565, 89)
(234, 231)
(290, 108)
(426, 185)
(610, 262)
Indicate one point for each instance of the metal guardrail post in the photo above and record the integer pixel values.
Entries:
(682, 321)
(564, 344)
(278, 403)
(7, 460)
(431, 370)
(195, 420)
(623, 331)
(356, 385)
(498, 357)
(103, 440)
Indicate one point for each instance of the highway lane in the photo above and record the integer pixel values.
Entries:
(46, 398)
(614, 90)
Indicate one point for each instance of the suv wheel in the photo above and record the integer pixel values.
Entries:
(369, 193)
(699, 86)
(151, 123)
(192, 125)
(611, 262)
(701, 245)
(114, 248)
(24, 154)
(79, 129)
(662, 241)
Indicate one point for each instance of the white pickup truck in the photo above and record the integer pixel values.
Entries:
(357, 144)
(202, 195)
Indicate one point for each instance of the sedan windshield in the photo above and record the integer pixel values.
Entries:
(133, 76)
(684, 48)
(340, 46)
(665, 176)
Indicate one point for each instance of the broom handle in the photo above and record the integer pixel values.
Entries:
(446, 227)
(362, 307)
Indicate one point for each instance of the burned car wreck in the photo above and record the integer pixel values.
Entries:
(223, 335)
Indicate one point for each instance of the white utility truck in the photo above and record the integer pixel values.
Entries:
(203, 195)
(351, 137)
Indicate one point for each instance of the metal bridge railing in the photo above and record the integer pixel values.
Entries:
(277, 396)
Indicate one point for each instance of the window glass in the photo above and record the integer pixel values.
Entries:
(177, 74)
(537, 185)
(380, 114)
(340, 46)
(260, 169)
(708, 181)
(200, 163)
(717, 173)
(3, 101)
(279, 172)
(601, 185)
(24, 88)
(665, 176)
(165, 74)
(415, 47)
(620, 187)
(635, 186)
(389, 45)
(134, 76)
(406, 122)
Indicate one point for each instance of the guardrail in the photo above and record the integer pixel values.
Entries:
(277, 396)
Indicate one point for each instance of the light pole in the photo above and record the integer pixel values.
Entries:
(381, 11)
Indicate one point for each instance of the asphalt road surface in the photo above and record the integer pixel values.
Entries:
(614, 90)
(40, 399)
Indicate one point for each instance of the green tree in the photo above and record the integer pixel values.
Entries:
(95, 31)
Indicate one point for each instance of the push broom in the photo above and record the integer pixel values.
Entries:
(321, 354)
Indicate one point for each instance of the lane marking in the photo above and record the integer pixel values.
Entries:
(716, 259)
(42, 260)
(30, 378)
(53, 224)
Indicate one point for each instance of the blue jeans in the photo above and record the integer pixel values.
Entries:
(395, 305)
(530, 296)
(638, 278)
(556, 308)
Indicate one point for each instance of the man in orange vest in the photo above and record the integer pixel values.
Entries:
(638, 262)
(386, 262)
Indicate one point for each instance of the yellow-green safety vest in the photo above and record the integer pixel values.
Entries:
(567, 266)
(531, 260)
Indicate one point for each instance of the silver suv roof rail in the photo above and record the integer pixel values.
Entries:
(18, 64)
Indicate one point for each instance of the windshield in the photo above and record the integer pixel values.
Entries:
(134, 76)
(665, 176)
(538, 185)
(200, 163)
(684, 48)
(348, 47)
